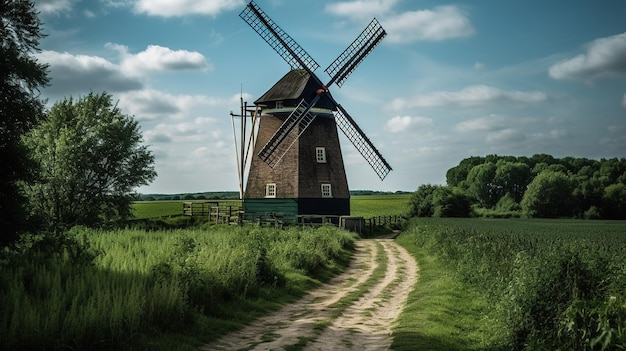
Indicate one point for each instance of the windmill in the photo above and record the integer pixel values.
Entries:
(297, 168)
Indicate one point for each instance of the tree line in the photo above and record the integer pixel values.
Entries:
(539, 186)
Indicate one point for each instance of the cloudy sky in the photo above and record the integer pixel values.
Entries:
(451, 79)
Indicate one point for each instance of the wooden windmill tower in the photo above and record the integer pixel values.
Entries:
(297, 167)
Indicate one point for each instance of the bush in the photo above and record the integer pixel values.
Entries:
(451, 202)
(439, 201)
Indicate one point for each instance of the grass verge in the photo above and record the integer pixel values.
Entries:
(442, 313)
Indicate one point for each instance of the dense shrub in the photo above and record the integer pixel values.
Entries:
(439, 201)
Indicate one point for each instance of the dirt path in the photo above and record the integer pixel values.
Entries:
(354, 311)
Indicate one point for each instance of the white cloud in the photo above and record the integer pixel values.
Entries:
(474, 95)
(361, 8)
(74, 73)
(169, 8)
(405, 123)
(151, 104)
(442, 22)
(605, 57)
(197, 130)
(439, 23)
(81, 73)
(158, 58)
(54, 6)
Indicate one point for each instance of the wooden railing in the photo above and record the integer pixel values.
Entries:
(229, 214)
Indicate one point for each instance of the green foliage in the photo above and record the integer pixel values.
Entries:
(553, 284)
(422, 204)
(91, 158)
(95, 289)
(439, 201)
(20, 108)
(507, 203)
(480, 184)
(615, 201)
(451, 202)
(548, 196)
(488, 179)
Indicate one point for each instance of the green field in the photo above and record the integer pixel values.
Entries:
(362, 205)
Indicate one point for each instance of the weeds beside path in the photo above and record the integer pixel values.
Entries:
(354, 311)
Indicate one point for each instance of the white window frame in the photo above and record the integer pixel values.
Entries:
(270, 190)
(279, 104)
(327, 190)
(320, 154)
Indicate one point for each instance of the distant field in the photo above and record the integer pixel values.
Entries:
(362, 205)
(379, 205)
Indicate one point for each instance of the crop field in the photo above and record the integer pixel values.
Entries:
(544, 284)
(361, 205)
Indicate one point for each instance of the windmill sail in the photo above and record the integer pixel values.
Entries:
(280, 41)
(347, 62)
(361, 142)
(341, 68)
(283, 139)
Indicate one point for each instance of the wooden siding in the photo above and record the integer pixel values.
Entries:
(317, 206)
(284, 209)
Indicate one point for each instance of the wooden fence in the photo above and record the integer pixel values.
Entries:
(379, 221)
(229, 214)
(223, 214)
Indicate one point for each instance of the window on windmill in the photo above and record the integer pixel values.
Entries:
(279, 104)
(270, 190)
(327, 190)
(320, 154)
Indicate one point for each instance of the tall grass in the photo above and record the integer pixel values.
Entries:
(554, 284)
(107, 289)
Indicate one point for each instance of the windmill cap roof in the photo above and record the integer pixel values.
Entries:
(295, 85)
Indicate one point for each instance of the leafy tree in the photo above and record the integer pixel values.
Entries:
(20, 107)
(480, 184)
(92, 157)
(421, 202)
(458, 174)
(549, 195)
(512, 178)
(615, 201)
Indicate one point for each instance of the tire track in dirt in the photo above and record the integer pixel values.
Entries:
(354, 311)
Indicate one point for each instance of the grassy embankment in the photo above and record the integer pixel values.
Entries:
(515, 284)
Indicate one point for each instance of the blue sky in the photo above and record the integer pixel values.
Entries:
(451, 79)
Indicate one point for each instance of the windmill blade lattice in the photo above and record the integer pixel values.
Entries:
(361, 142)
(347, 62)
(283, 139)
(280, 41)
